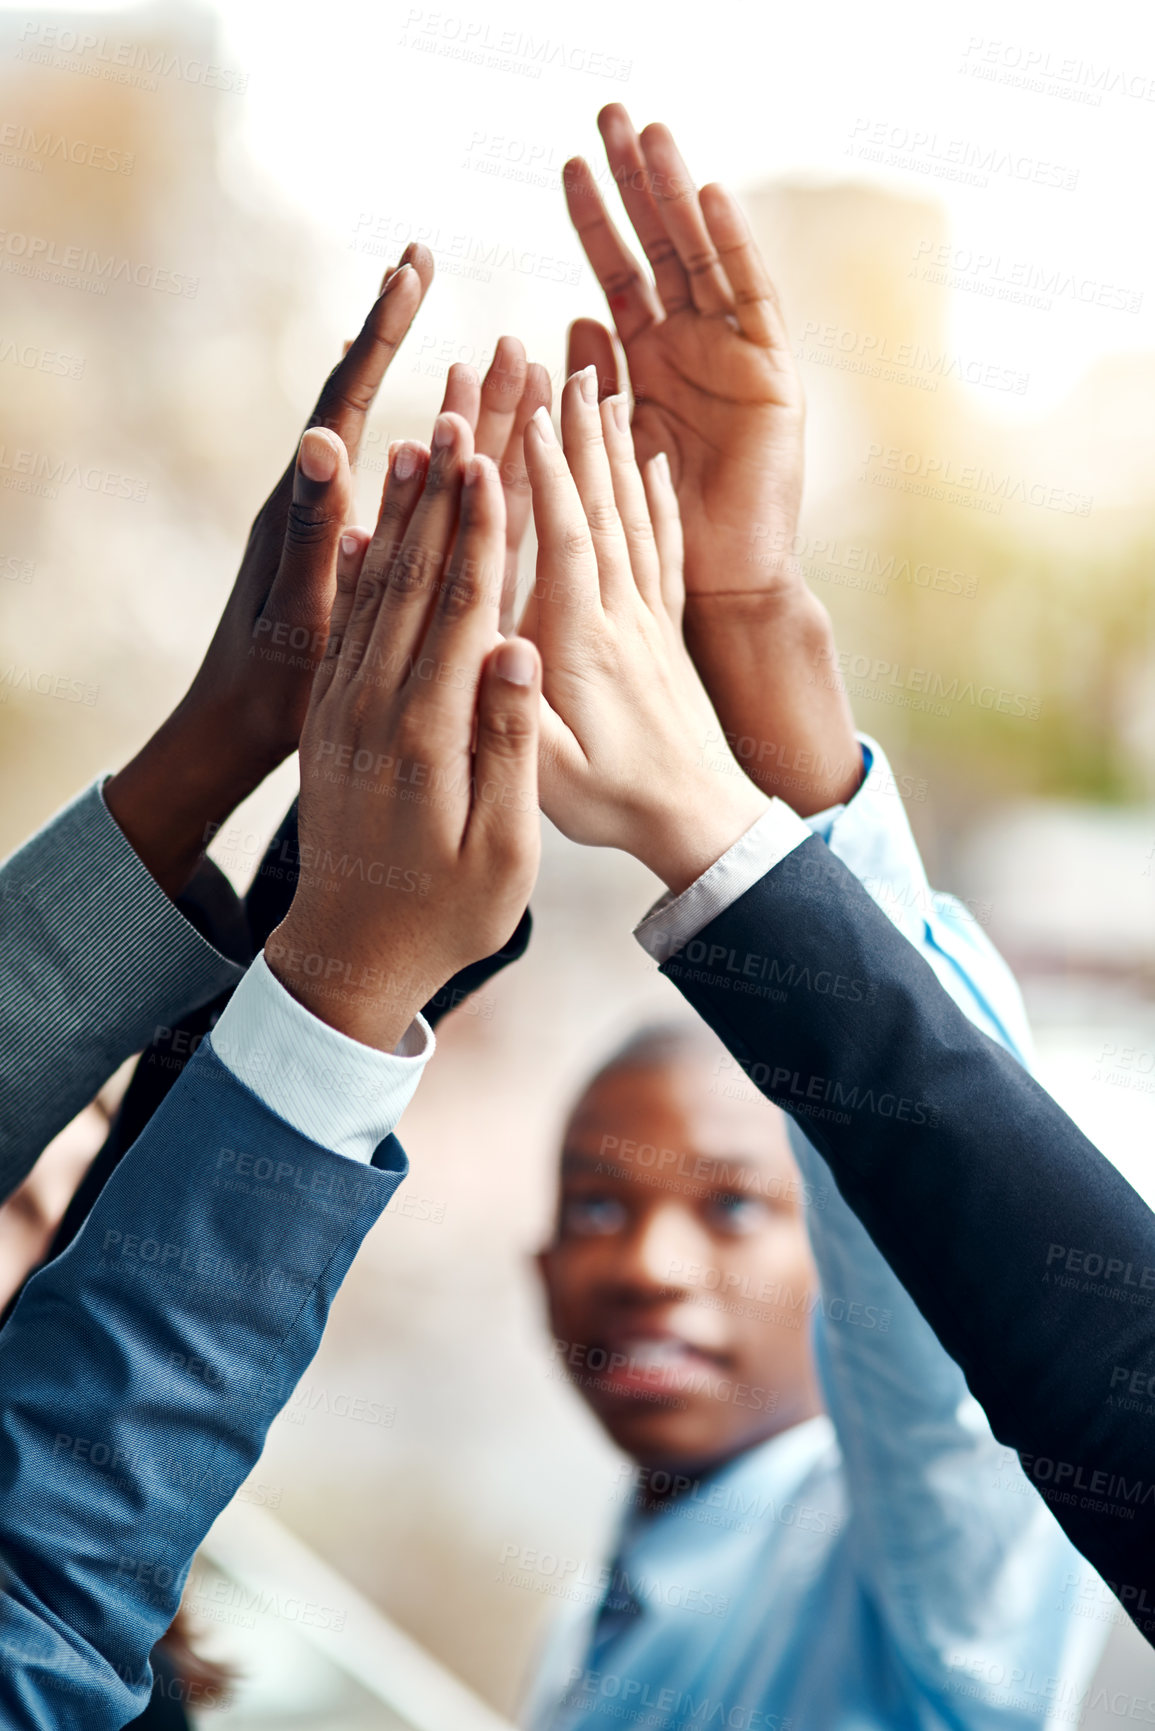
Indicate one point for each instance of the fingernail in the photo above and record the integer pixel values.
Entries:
(318, 455)
(349, 545)
(588, 384)
(621, 410)
(540, 419)
(443, 432)
(399, 275)
(516, 662)
(473, 470)
(405, 462)
(662, 465)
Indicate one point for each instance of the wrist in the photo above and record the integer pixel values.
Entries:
(348, 992)
(760, 556)
(684, 839)
(173, 796)
(768, 661)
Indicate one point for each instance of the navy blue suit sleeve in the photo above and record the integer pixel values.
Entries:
(1030, 1255)
(139, 1374)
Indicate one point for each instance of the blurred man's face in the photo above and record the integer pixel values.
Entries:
(679, 1281)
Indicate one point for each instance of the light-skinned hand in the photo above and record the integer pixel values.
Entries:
(498, 408)
(631, 753)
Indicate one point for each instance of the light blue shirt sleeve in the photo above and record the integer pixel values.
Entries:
(346, 1096)
(970, 1573)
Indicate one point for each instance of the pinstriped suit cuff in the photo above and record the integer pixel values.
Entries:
(95, 956)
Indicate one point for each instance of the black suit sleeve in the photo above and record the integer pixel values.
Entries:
(1030, 1255)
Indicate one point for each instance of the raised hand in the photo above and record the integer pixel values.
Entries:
(713, 379)
(715, 387)
(419, 828)
(631, 752)
(498, 408)
(242, 715)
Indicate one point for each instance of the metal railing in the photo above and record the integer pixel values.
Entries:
(270, 1565)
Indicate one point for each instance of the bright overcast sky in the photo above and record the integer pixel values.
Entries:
(353, 115)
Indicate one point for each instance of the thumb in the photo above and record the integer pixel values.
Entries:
(590, 344)
(504, 816)
(295, 617)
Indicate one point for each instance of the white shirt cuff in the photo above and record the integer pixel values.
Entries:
(674, 920)
(339, 1093)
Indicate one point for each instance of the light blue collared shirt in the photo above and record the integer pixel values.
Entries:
(885, 1568)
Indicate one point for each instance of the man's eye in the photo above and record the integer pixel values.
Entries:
(592, 1216)
(736, 1213)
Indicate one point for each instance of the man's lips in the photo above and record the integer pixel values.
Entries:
(635, 1366)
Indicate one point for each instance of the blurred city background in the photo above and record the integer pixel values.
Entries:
(197, 207)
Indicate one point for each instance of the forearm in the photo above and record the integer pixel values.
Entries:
(902, 1365)
(173, 795)
(767, 659)
(959, 1558)
(970, 1179)
(93, 959)
(195, 1298)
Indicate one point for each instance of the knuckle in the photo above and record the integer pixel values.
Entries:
(662, 252)
(461, 592)
(508, 731)
(308, 525)
(623, 281)
(386, 544)
(413, 570)
(420, 737)
(702, 263)
(506, 852)
(369, 592)
(602, 518)
(343, 392)
(575, 545)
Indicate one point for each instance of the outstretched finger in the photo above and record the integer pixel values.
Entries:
(627, 288)
(585, 452)
(503, 819)
(634, 179)
(342, 408)
(348, 392)
(630, 499)
(294, 621)
(565, 596)
(417, 571)
(589, 344)
(400, 495)
(537, 393)
(667, 522)
(676, 198)
(500, 394)
(351, 550)
(755, 302)
(462, 393)
(462, 622)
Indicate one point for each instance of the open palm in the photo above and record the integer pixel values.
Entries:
(710, 368)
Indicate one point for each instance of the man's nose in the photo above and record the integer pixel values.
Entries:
(665, 1250)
